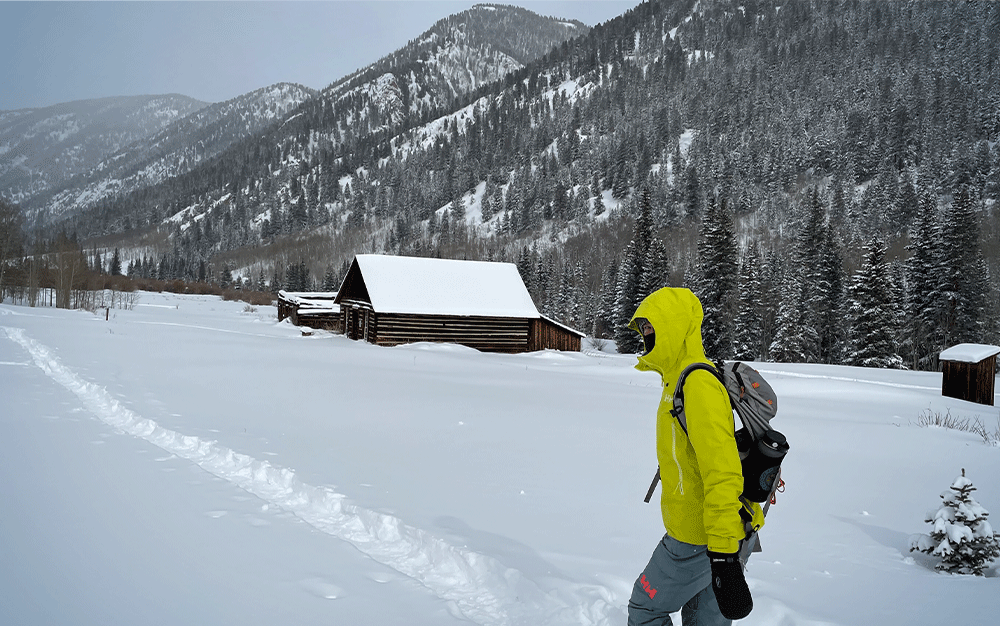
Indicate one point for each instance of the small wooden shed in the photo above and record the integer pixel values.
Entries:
(392, 300)
(312, 309)
(969, 372)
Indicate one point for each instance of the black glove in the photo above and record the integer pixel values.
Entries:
(730, 586)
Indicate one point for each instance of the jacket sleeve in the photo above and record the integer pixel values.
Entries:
(710, 430)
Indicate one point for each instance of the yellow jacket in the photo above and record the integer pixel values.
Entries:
(701, 474)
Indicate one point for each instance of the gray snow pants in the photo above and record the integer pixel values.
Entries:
(678, 578)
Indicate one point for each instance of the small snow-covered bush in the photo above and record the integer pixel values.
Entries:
(961, 536)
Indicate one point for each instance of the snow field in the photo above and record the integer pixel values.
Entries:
(478, 587)
(470, 488)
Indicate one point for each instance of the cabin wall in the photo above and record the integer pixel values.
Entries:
(489, 334)
(975, 382)
(548, 336)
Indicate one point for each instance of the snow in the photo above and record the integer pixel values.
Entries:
(969, 352)
(188, 462)
(445, 287)
(311, 301)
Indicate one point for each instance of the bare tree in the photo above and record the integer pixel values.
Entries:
(70, 264)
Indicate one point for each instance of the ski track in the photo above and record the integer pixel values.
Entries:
(476, 586)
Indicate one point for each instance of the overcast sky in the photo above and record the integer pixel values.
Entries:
(54, 52)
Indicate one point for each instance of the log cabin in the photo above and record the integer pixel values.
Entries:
(392, 300)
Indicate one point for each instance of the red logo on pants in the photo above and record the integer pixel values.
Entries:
(647, 587)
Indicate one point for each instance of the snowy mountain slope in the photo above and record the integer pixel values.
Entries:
(193, 461)
(42, 148)
(453, 58)
(465, 51)
(176, 149)
(456, 56)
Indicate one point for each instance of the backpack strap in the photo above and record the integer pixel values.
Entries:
(678, 402)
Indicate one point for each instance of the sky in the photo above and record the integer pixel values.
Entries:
(57, 52)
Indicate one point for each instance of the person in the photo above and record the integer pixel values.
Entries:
(695, 568)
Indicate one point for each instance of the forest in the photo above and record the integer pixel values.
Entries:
(824, 175)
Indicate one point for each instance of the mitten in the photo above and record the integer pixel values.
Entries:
(730, 586)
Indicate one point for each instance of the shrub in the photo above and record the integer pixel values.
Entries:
(961, 536)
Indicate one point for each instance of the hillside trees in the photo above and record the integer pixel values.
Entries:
(837, 133)
(959, 297)
(11, 238)
(873, 312)
(716, 280)
(639, 274)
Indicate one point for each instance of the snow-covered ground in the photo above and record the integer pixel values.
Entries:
(191, 462)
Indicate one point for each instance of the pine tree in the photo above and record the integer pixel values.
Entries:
(960, 297)
(629, 286)
(607, 305)
(815, 287)
(627, 297)
(874, 336)
(921, 282)
(116, 264)
(833, 331)
(748, 331)
(717, 276)
(331, 282)
(962, 537)
(656, 267)
(787, 344)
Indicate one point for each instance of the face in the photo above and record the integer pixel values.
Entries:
(648, 336)
(644, 326)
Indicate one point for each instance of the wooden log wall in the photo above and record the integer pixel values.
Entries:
(285, 309)
(548, 336)
(975, 382)
(489, 334)
(327, 320)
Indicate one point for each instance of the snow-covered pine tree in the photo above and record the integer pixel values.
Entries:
(656, 267)
(960, 297)
(627, 299)
(748, 332)
(629, 287)
(921, 281)
(815, 285)
(716, 279)
(874, 335)
(961, 535)
(787, 344)
(116, 263)
(607, 305)
(833, 338)
(331, 282)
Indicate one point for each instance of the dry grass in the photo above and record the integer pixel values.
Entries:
(973, 425)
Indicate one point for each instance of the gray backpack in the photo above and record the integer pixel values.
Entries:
(761, 448)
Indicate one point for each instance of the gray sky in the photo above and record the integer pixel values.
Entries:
(55, 52)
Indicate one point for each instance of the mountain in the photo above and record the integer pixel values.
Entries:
(853, 118)
(455, 56)
(176, 149)
(42, 148)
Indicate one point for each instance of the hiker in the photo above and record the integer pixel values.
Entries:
(695, 568)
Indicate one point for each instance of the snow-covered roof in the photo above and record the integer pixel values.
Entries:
(563, 326)
(317, 301)
(969, 352)
(421, 286)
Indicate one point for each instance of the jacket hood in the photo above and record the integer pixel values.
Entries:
(676, 316)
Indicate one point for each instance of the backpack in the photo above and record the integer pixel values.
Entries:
(761, 448)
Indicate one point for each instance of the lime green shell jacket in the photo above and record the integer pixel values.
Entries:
(701, 474)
